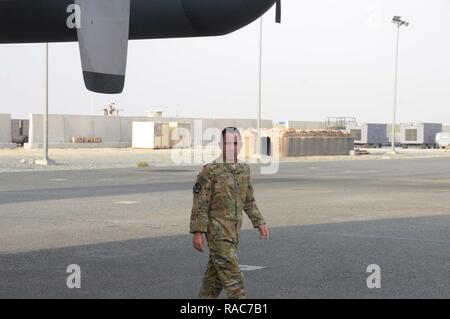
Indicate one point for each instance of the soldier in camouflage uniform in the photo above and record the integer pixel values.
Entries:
(222, 191)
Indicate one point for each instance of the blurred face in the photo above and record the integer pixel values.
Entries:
(231, 147)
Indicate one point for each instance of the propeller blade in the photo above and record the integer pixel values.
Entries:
(278, 12)
(103, 42)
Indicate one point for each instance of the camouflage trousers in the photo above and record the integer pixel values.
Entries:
(222, 272)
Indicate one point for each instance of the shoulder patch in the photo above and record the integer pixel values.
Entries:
(197, 188)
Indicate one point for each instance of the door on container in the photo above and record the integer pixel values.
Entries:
(265, 146)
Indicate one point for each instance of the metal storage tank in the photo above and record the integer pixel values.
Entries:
(368, 134)
(420, 134)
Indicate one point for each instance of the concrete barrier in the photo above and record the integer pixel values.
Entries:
(62, 128)
(114, 132)
(5, 131)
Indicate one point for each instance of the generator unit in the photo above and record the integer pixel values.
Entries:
(368, 134)
(419, 134)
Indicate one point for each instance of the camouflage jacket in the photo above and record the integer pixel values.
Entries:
(221, 193)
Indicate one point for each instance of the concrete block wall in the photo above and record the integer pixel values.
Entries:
(5, 131)
(61, 128)
(114, 131)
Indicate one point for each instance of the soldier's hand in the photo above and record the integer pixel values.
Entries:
(197, 241)
(263, 232)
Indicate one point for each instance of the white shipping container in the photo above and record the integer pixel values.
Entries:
(151, 135)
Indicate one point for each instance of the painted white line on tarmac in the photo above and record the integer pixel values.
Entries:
(126, 202)
(250, 268)
(380, 237)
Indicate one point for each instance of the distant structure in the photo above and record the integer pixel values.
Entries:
(111, 109)
(154, 113)
(339, 123)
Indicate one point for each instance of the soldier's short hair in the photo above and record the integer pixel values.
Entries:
(230, 129)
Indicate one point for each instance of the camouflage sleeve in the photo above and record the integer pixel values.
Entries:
(202, 191)
(250, 207)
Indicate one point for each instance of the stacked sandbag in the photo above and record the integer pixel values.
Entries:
(298, 142)
(314, 133)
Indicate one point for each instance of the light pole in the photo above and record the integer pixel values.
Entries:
(45, 161)
(92, 103)
(258, 122)
(399, 22)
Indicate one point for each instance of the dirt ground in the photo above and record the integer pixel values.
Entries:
(20, 159)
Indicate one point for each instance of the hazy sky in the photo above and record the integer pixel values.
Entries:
(327, 58)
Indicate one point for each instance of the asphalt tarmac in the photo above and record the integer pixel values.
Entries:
(127, 230)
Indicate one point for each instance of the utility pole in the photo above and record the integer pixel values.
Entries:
(45, 161)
